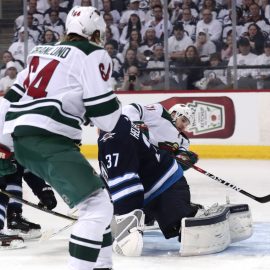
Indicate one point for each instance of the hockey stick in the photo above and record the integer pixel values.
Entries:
(11, 196)
(264, 199)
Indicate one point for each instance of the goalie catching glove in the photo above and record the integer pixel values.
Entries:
(6, 164)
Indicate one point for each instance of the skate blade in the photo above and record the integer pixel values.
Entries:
(14, 244)
(32, 234)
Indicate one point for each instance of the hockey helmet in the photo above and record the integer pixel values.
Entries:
(84, 21)
(181, 109)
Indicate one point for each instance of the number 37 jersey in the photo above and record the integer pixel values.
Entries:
(62, 85)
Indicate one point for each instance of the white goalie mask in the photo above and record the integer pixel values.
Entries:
(181, 109)
(84, 21)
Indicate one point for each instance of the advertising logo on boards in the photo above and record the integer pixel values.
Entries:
(213, 117)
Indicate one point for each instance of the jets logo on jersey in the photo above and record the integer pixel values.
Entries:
(107, 136)
(104, 76)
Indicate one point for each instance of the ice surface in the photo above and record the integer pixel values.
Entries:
(159, 253)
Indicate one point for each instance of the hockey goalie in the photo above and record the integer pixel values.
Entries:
(146, 181)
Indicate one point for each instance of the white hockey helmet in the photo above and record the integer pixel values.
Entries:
(181, 109)
(84, 21)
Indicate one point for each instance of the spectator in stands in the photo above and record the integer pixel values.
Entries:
(227, 24)
(211, 5)
(213, 78)
(109, 37)
(55, 24)
(34, 30)
(263, 74)
(256, 17)
(49, 37)
(134, 41)
(244, 58)
(158, 22)
(176, 14)
(227, 49)
(265, 6)
(256, 38)
(42, 5)
(189, 23)
(38, 17)
(109, 22)
(245, 4)
(146, 48)
(7, 81)
(132, 80)
(187, 77)
(149, 14)
(130, 59)
(133, 8)
(107, 8)
(212, 26)
(204, 46)
(17, 48)
(134, 23)
(88, 3)
(55, 5)
(225, 9)
(178, 42)
(7, 57)
(156, 77)
(116, 70)
(192, 6)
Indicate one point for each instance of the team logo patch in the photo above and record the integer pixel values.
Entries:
(107, 136)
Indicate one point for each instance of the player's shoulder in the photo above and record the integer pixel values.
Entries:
(83, 45)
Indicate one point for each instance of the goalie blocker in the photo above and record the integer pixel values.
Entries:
(215, 229)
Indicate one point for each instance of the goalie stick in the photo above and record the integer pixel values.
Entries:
(11, 196)
(263, 199)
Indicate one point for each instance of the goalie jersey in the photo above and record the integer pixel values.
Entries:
(133, 167)
(159, 122)
(63, 84)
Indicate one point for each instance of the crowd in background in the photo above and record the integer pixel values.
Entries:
(200, 36)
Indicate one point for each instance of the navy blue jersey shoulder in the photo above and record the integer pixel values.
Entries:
(131, 161)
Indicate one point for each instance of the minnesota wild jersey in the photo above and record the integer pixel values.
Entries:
(159, 122)
(62, 85)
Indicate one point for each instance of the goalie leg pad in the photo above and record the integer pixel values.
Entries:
(127, 232)
(240, 222)
(205, 234)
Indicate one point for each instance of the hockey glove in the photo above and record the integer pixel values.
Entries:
(47, 198)
(143, 128)
(186, 159)
(6, 164)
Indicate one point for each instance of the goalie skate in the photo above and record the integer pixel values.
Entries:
(10, 242)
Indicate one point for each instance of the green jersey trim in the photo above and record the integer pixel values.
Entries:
(138, 108)
(165, 114)
(82, 45)
(15, 93)
(49, 108)
(103, 108)
(98, 97)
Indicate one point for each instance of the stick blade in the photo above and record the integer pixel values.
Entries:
(264, 199)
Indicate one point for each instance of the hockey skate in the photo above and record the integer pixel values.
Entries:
(18, 225)
(10, 242)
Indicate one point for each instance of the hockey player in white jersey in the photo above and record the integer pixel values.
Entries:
(166, 128)
(63, 85)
